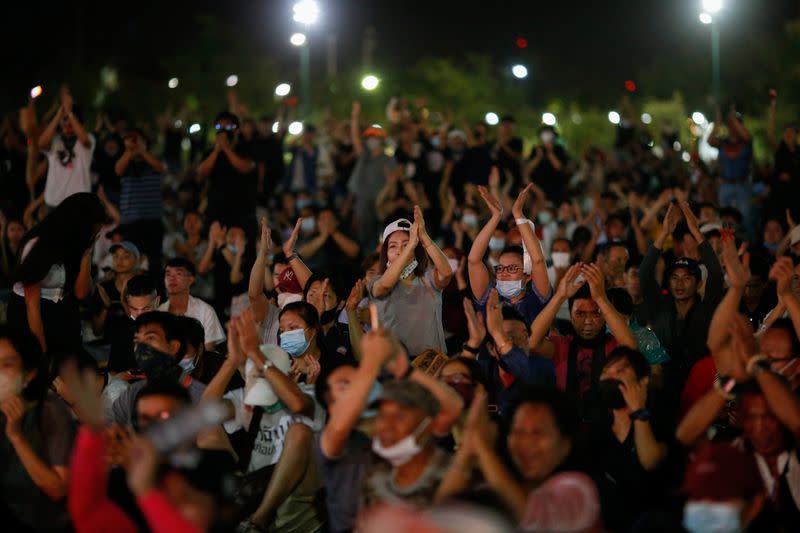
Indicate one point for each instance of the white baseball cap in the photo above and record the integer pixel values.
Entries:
(401, 224)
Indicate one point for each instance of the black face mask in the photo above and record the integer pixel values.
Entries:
(157, 365)
(328, 315)
(610, 393)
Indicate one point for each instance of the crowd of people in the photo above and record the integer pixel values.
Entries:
(404, 326)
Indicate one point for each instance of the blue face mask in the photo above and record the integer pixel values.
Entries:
(294, 342)
(374, 394)
(545, 217)
(497, 244)
(232, 249)
(187, 365)
(470, 220)
(702, 517)
(302, 203)
(772, 247)
(509, 288)
(307, 224)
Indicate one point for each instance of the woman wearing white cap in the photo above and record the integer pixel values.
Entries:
(407, 294)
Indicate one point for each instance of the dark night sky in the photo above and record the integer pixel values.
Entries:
(592, 42)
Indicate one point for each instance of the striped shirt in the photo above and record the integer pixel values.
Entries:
(140, 194)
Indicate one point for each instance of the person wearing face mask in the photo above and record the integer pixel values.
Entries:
(35, 445)
(497, 243)
(335, 336)
(159, 346)
(326, 246)
(302, 171)
(229, 169)
(199, 363)
(54, 273)
(546, 164)
(368, 177)
(510, 280)
(408, 294)
(627, 441)
(349, 394)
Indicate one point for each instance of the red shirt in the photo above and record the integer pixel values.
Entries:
(700, 381)
(91, 510)
(561, 343)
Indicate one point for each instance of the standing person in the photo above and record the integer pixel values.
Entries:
(140, 197)
(408, 294)
(545, 166)
(735, 162)
(368, 178)
(36, 442)
(178, 278)
(231, 180)
(270, 155)
(507, 149)
(11, 233)
(54, 272)
(69, 150)
(302, 172)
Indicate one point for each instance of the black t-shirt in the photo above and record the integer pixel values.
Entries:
(103, 165)
(14, 193)
(343, 161)
(231, 194)
(172, 142)
(506, 162)
(553, 182)
(270, 151)
(477, 163)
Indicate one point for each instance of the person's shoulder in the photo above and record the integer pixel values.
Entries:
(165, 306)
(54, 410)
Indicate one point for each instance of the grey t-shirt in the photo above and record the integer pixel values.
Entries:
(50, 431)
(413, 312)
(123, 407)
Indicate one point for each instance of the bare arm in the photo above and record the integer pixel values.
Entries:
(33, 298)
(345, 244)
(83, 282)
(442, 271)
(386, 283)
(538, 341)
(207, 165)
(538, 265)
(355, 129)
(49, 132)
(52, 480)
(478, 273)
(701, 415)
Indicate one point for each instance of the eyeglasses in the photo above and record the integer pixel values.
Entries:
(227, 127)
(510, 269)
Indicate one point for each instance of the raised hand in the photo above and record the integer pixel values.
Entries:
(475, 324)
(248, 334)
(216, 234)
(313, 369)
(517, 210)
(289, 244)
(419, 220)
(413, 237)
(82, 390)
(355, 109)
(356, 295)
(14, 409)
(494, 314)
(492, 202)
(265, 242)
(635, 394)
(142, 467)
(691, 220)
(235, 353)
(596, 280)
(738, 270)
(494, 177)
(782, 273)
(571, 282)
(670, 219)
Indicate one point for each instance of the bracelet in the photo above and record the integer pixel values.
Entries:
(758, 364)
(522, 221)
(292, 257)
(642, 414)
(724, 385)
(467, 348)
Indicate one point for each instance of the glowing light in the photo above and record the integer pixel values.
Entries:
(194, 128)
(296, 128)
(698, 118)
(491, 118)
(549, 119)
(686, 157)
(521, 42)
(630, 86)
(232, 80)
(306, 12)
(705, 18)
(172, 83)
(613, 117)
(275, 127)
(36, 91)
(298, 39)
(283, 89)
(646, 118)
(370, 82)
(676, 146)
(712, 6)
(519, 71)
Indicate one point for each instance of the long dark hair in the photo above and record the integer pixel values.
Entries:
(30, 353)
(309, 314)
(64, 235)
(419, 254)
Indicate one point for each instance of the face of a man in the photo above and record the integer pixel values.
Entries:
(632, 284)
(776, 343)
(154, 336)
(396, 422)
(761, 428)
(682, 284)
(138, 305)
(517, 332)
(177, 280)
(587, 320)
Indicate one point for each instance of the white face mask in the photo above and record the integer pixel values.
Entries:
(287, 298)
(560, 259)
(453, 264)
(404, 450)
(187, 365)
(408, 270)
(509, 288)
(704, 517)
(10, 386)
(546, 137)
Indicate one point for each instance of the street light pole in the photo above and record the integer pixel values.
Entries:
(305, 80)
(715, 68)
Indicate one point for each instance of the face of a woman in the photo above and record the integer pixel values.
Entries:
(372, 272)
(316, 289)
(290, 321)
(192, 224)
(773, 233)
(15, 231)
(536, 445)
(397, 243)
(11, 372)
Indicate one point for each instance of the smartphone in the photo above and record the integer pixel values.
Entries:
(186, 425)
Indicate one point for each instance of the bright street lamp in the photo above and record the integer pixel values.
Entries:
(283, 89)
(172, 83)
(646, 118)
(370, 82)
(613, 117)
(519, 71)
(698, 118)
(549, 119)
(296, 128)
(712, 6)
(306, 12)
(298, 39)
(705, 18)
(492, 119)
(232, 80)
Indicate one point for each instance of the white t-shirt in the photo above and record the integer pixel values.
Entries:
(268, 446)
(203, 312)
(67, 175)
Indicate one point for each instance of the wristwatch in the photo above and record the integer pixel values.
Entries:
(292, 257)
(642, 414)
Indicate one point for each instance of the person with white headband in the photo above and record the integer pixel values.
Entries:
(407, 293)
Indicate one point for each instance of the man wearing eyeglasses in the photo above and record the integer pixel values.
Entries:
(232, 182)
